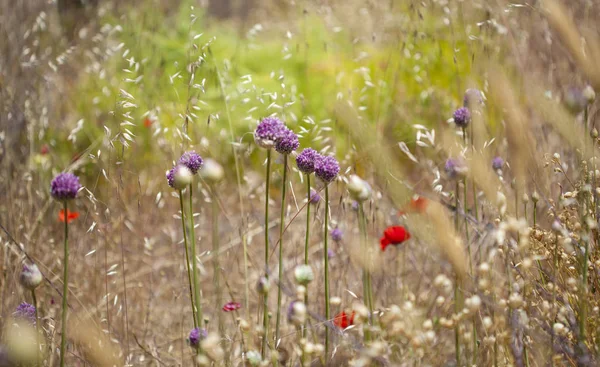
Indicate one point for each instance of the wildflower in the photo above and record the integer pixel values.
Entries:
(589, 94)
(336, 234)
(297, 313)
(44, 149)
(342, 320)
(359, 189)
(497, 163)
(462, 117)
(303, 274)
(418, 204)
(473, 97)
(196, 336)
(326, 168)
(191, 160)
(71, 216)
(30, 277)
(354, 206)
(306, 160)
(64, 186)
(231, 306)
(267, 132)
(575, 100)
(147, 122)
(455, 168)
(330, 254)
(25, 311)
(253, 357)
(393, 235)
(314, 197)
(179, 177)
(212, 171)
(286, 142)
(263, 286)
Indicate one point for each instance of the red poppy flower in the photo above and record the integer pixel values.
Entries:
(393, 235)
(44, 149)
(342, 320)
(231, 306)
(417, 204)
(147, 122)
(71, 216)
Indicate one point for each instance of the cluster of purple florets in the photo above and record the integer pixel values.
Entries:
(190, 160)
(272, 133)
(26, 312)
(326, 168)
(65, 186)
(196, 336)
(462, 117)
(306, 160)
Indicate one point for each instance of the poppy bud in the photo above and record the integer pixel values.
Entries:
(30, 277)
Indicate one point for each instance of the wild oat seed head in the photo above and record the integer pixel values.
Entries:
(286, 142)
(30, 277)
(337, 234)
(306, 160)
(25, 311)
(196, 336)
(267, 132)
(179, 177)
(191, 160)
(65, 186)
(326, 168)
(462, 117)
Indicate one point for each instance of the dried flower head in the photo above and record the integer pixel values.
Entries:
(326, 168)
(196, 336)
(179, 177)
(267, 132)
(462, 117)
(25, 311)
(30, 277)
(212, 171)
(191, 160)
(306, 160)
(286, 142)
(65, 186)
(337, 234)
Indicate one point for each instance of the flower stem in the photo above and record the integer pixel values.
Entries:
(266, 295)
(326, 269)
(281, 228)
(306, 243)
(37, 325)
(63, 336)
(367, 289)
(456, 285)
(187, 257)
(216, 255)
(195, 287)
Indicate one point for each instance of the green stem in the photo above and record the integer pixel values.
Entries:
(37, 324)
(326, 269)
(266, 295)
(281, 228)
(583, 316)
(456, 287)
(196, 285)
(216, 255)
(306, 243)
(63, 336)
(367, 287)
(187, 257)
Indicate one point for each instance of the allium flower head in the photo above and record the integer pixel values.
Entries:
(192, 161)
(30, 277)
(231, 306)
(455, 168)
(497, 163)
(25, 311)
(326, 168)
(303, 274)
(473, 98)
(306, 160)
(575, 100)
(267, 132)
(212, 171)
(296, 313)
(286, 142)
(179, 177)
(359, 189)
(196, 336)
(462, 117)
(314, 197)
(337, 234)
(64, 186)
(393, 235)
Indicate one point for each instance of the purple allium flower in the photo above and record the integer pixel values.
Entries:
(196, 336)
(267, 132)
(191, 160)
(354, 205)
(65, 186)
(455, 168)
(179, 177)
(473, 97)
(286, 142)
(326, 168)
(462, 117)
(314, 197)
(25, 311)
(330, 254)
(296, 313)
(306, 160)
(30, 276)
(336, 234)
(575, 100)
(497, 163)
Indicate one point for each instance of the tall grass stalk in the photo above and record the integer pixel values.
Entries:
(457, 308)
(187, 258)
(307, 241)
(326, 269)
(216, 258)
(63, 335)
(266, 294)
(196, 285)
(37, 326)
(281, 228)
(367, 290)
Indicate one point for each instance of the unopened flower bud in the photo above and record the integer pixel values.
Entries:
(263, 285)
(358, 188)
(297, 313)
(30, 277)
(303, 274)
(253, 357)
(212, 171)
